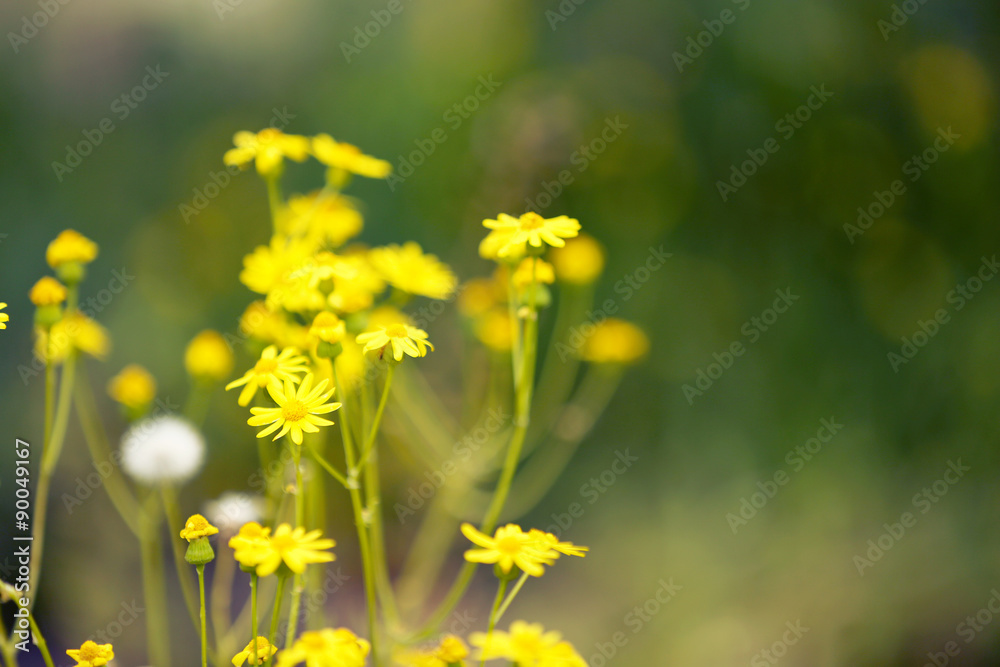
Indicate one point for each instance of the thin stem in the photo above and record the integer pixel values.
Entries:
(300, 521)
(511, 596)
(157, 632)
(253, 610)
(274, 198)
(183, 573)
(276, 614)
(204, 628)
(501, 589)
(327, 466)
(221, 605)
(366, 452)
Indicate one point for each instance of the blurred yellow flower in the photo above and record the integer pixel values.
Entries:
(91, 654)
(542, 271)
(47, 292)
(326, 648)
(133, 387)
(452, 649)
(257, 652)
(70, 246)
(495, 330)
(508, 547)
(401, 337)
(76, 332)
(297, 409)
(348, 158)
(407, 268)
(271, 366)
(615, 341)
(527, 645)
(208, 357)
(550, 541)
(579, 262)
(323, 219)
(268, 267)
(477, 296)
(197, 526)
(295, 548)
(328, 328)
(350, 364)
(262, 323)
(267, 148)
(4, 317)
(250, 544)
(510, 236)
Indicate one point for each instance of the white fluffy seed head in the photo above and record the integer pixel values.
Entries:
(164, 449)
(233, 509)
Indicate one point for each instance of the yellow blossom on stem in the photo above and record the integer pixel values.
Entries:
(295, 548)
(297, 409)
(407, 268)
(323, 219)
(402, 338)
(326, 648)
(76, 332)
(197, 526)
(133, 387)
(348, 158)
(508, 547)
(250, 545)
(452, 649)
(527, 645)
(615, 341)
(208, 357)
(272, 366)
(328, 328)
(47, 292)
(257, 652)
(91, 654)
(70, 247)
(267, 149)
(510, 236)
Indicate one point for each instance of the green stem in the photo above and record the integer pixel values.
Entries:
(276, 614)
(510, 598)
(221, 606)
(327, 466)
(204, 628)
(174, 522)
(501, 589)
(274, 199)
(366, 452)
(157, 632)
(36, 632)
(253, 610)
(300, 521)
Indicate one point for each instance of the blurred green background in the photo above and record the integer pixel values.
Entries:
(564, 71)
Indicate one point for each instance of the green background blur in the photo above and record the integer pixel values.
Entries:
(234, 66)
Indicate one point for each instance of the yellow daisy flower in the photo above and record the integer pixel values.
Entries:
(323, 219)
(615, 341)
(527, 645)
(268, 267)
(47, 292)
(271, 367)
(409, 269)
(297, 409)
(402, 337)
(267, 148)
(4, 317)
(508, 547)
(208, 357)
(579, 262)
(257, 651)
(326, 648)
(133, 387)
(70, 246)
(511, 236)
(295, 548)
(348, 158)
(250, 545)
(197, 526)
(91, 654)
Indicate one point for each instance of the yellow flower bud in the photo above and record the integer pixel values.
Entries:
(328, 328)
(69, 247)
(615, 341)
(579, 262)
(47, 292)
(133, 387)
(208, 357)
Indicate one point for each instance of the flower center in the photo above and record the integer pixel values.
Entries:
(531, 221)
(89, 652)
(294, 411)
(509, 545)
(268, 135)
(265, 366)
(396, 331)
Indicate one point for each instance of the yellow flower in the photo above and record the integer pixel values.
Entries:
(347, 157)
(4, 317)
(133, 387)
(511, 236)
(351, 364)
(91, 654)
(268, 148)
(452, 649)
(550, 541)
(197, 526)
(326, 648)
(77, 332)
(510, 546)
(615, 341)
(495, 330)
(542, 270)
(208, 357)
(323, 219)
(70, 246)
(250, 545)
(272, 366)
(409, 269)
(268, 267)
(297, 409)
(295, 548)
(257, 651)
(527, 645)
(47, 292)
(261, 322)
(579, 262)
(328, 328)
(402, 338)
(477, 296)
